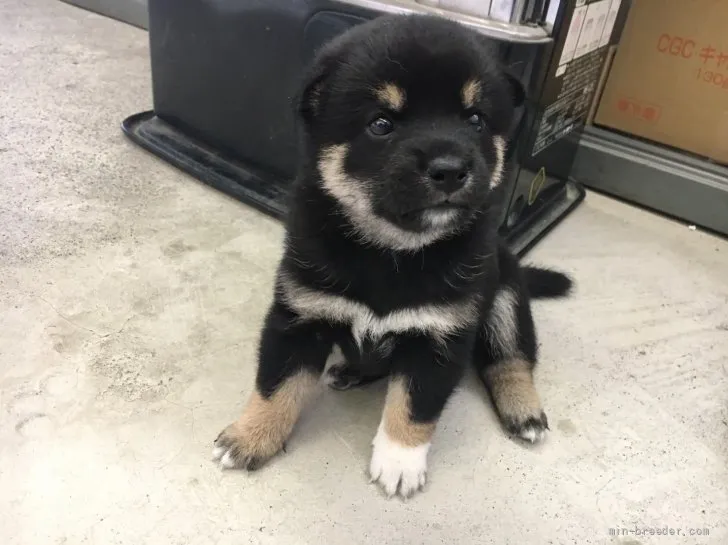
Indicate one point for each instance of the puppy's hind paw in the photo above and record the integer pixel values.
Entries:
(345, 376)
(342, 377)
(531, 429)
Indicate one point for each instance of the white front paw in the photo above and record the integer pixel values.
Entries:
(396, 468)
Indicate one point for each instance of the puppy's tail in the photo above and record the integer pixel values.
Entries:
(544, 283)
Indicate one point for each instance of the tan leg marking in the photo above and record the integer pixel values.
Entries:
(391, 96)
(265, 423)
(515, 396)
(398, 421)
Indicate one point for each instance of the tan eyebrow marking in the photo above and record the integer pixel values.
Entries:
(470, 92)
(391, 95)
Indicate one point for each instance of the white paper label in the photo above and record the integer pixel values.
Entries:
(611, 20)
(591, 31)
(572, 37)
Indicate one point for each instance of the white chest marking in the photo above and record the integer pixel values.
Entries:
(500, 160)
(502, 323)
(436, 320)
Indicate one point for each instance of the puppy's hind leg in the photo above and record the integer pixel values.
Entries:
(505, 355)
(351, 366)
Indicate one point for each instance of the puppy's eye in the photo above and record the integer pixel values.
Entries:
(475, 120)
(381, 126)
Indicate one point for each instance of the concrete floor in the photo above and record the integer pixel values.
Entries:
(130, 302)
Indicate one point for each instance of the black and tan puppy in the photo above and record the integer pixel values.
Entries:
(392, 261)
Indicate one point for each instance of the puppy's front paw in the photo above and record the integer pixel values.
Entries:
(529, 427)
(235, 450)
(396, 468)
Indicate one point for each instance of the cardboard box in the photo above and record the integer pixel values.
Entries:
(669, 79)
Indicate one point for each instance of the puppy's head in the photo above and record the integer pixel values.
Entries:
(408, 117)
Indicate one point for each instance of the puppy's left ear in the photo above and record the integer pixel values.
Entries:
(313, 91)
(518, 91)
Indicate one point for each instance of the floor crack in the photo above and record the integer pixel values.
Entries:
(79, 326)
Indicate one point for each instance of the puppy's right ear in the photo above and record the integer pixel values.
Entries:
(314, 91)
(518, 91)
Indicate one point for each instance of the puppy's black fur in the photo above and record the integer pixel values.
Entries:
(392, 253)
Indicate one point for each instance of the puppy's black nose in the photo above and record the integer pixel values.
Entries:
(447, 173)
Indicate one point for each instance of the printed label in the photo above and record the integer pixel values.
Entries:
(711, 59)
(611, 20)
(591, 31)
(639, 109)
(572, 38)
